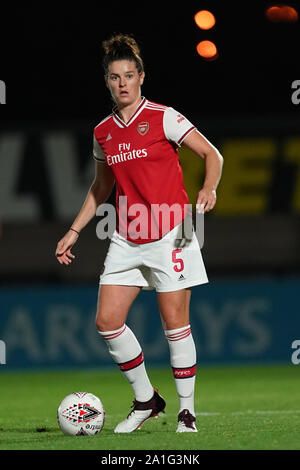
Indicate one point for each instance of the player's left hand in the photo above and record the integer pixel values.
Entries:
(206, 200)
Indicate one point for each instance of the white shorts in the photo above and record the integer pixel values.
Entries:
(160, 265)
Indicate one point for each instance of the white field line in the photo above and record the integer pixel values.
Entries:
(249, 412)
(231, 413)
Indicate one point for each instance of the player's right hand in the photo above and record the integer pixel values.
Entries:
(63, 249)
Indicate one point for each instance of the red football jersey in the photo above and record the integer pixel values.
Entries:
(151, 198)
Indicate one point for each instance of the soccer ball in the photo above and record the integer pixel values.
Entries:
(81, 414)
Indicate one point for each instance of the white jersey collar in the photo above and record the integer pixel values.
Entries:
(119, 121)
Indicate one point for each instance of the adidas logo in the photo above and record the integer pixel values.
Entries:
(109, 137)
(181, 277)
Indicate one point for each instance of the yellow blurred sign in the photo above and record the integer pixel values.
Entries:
(248, 174)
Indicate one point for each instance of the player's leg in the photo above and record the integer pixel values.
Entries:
(174, 308)
(174, 311)
(114, 302)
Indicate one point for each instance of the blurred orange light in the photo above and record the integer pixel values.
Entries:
(282, 14)
(207, 50)
(289, 14)
(205, 19)
(273, 14)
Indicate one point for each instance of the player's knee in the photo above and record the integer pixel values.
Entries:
(101, 324)
(107, 323)
(173, 321)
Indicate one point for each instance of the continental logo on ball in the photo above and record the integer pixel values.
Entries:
(125, 154)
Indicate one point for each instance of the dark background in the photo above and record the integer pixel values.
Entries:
(51, 63)
(51, 58)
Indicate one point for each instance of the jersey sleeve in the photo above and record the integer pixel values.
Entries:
(176, 126)
(98, 153)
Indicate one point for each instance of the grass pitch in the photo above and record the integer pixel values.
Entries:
(254, 407)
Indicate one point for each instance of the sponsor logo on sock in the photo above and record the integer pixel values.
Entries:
(184, 372)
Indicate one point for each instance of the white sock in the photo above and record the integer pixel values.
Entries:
(127, 353)
(183, 362)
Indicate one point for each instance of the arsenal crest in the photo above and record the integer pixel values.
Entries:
(143, 128)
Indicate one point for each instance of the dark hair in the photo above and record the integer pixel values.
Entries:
(121, 47)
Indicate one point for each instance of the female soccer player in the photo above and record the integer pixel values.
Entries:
(135, 148)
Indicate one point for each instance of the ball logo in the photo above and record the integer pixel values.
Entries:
(81, 412)
(143, 128)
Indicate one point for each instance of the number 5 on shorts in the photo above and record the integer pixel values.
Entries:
(177, 261)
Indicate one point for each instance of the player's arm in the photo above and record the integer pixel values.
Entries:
(98, 193)
(198, 144)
